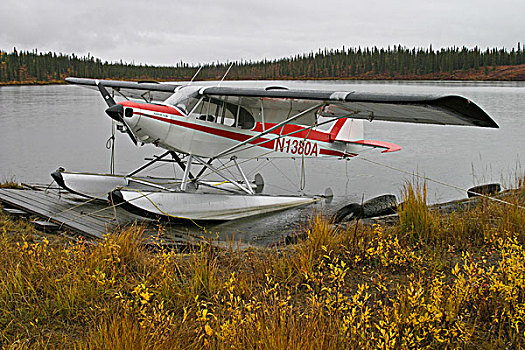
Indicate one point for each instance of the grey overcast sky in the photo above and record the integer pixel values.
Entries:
(163, 32)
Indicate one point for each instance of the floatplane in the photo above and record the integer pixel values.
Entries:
(199, 125)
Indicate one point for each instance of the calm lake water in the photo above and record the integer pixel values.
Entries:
(44, 127)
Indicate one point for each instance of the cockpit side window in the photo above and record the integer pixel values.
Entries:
(245, 119)
(225, 113)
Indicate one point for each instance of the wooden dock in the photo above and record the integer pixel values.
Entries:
(89, 218)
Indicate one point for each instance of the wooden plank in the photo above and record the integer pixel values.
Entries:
(61, 207)
(86, 217)
(16, 212)
(79, 227)
(45, 226)
(32, 201)
(36, 199)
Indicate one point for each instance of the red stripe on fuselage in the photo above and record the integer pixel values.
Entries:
(241, 137)
(218, 132)
(152, 107)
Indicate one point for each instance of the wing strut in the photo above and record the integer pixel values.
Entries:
(277, 126)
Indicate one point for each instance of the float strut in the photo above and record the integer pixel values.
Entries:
(177, 159)
(216, 171)
(156, 159)
(246, 182)
(186, 176)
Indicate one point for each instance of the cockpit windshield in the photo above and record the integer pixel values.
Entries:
(184, 98)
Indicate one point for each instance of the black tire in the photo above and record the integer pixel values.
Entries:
(487, 190)
(377, 206)
(381, 205)
(353, 210)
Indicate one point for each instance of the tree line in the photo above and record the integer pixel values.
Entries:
(344, 63)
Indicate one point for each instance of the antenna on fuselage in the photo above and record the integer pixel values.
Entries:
(225, 74)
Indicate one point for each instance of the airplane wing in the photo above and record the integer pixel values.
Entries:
(423, 109)
(277, 103)
(140, 90)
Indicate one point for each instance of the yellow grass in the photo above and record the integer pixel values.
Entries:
(433, 281)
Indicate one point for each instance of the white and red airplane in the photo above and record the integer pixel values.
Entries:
(206, 122)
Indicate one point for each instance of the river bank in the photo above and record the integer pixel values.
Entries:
(17, 83)
(432, 280)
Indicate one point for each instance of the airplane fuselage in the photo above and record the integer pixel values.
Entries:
(205, 135)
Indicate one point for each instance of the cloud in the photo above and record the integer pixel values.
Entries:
(166, 31)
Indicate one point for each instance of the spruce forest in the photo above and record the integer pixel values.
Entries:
(33, 67)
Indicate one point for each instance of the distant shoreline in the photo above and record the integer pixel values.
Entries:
(352, 64)
(25, 83)
(493, 74)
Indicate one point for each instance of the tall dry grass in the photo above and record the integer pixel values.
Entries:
(415, 219)
(434, 281)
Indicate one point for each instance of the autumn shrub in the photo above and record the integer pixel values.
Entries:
(408, 286)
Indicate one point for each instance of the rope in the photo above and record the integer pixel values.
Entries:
(158, 166)
(75, 206)
(283, 174)
(426, 178)
(303, 174)
(347, 178)
(227, 168)
(162, 211)
(110, 144)
(49, 186)
(258, 168)
(280, 188)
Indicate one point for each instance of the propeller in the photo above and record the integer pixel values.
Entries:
(115, 111)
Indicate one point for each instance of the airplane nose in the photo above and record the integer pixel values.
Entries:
(115, 112)
(130, 116)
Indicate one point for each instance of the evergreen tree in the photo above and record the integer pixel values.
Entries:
(400, 62)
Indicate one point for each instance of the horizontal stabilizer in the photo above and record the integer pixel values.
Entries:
(387, 146)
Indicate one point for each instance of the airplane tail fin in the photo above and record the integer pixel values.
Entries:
(347, 129)
(351, 131)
